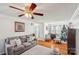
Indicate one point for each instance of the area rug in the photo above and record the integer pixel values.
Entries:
(38, 50)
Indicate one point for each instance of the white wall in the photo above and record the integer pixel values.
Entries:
(41, 31)
(77, 41)
(7, 29)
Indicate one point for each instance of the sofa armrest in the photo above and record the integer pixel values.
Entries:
(6, 46)
(9, 49)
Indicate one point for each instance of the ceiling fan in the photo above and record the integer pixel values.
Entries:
(29, 11)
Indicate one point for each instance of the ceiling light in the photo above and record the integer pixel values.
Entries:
(30, 15)
(27, 15)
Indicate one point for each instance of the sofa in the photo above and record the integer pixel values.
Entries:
(19, 44)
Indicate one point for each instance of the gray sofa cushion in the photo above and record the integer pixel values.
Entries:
(23, 39)
(10, 50)
(17, 48)
(26, 44)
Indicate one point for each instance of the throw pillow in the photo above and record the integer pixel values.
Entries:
(12, 42)
(18, 42)
(32, 38)
(23, 39)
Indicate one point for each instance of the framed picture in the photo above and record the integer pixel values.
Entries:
(19, 27)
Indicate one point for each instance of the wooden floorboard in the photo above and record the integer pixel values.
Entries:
(62, 47)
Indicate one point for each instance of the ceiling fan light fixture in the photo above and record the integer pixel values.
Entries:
(27, 15)
(28, 11)
(30, 15)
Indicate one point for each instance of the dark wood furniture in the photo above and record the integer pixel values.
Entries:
(52, 36)
(71, 41)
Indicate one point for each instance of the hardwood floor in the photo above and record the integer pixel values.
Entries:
(50, 43)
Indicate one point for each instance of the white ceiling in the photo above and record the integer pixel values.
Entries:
(52, 11)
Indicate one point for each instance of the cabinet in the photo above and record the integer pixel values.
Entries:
(71, 41)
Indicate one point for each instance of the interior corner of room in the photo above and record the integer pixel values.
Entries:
(57, 28)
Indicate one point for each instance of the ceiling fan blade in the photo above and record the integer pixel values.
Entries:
(40, 14)
(16, 8)
(32, 7)
(21, 15)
